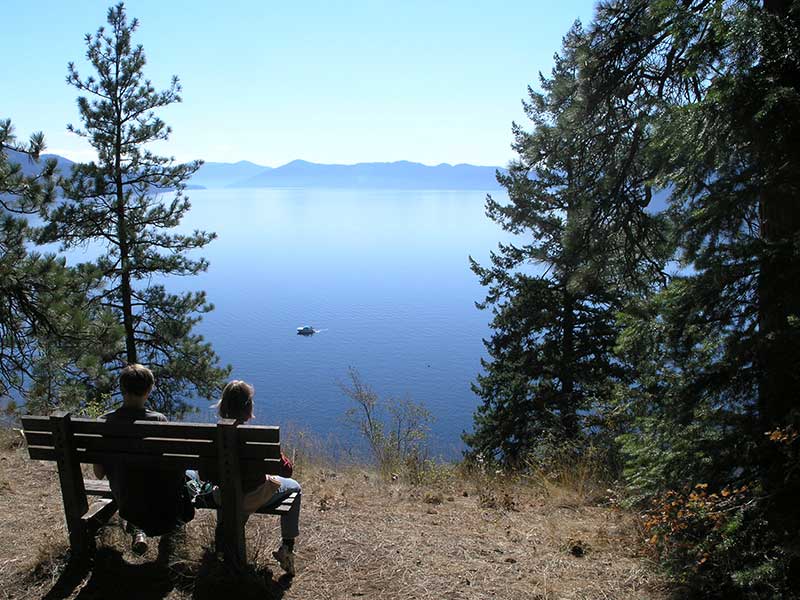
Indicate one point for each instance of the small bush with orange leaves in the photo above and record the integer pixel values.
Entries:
(736, 540)
(691, 523)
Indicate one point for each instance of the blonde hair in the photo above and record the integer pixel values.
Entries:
(237, 401)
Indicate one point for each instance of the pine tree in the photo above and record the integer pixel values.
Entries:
(122, 201)
(722, 82)
(551, 366)
(43, 310)
(717, 350)
(26, 280)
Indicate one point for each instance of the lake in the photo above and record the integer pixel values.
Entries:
(383, 274)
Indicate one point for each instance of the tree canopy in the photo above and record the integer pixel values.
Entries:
(693, 104)
(127, 201)
(40, 298)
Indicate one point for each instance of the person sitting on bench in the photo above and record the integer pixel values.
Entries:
(151, 500)
(259, 489)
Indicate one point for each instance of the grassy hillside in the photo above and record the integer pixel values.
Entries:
(456, 536)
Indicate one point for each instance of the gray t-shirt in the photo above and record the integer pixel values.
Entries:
(149, 497)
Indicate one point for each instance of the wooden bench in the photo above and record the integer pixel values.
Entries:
(224, 450)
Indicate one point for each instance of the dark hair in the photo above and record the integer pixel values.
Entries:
(136, 379)
(237, 401)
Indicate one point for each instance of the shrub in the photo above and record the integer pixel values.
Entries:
(570, 472)
(733, 541)
(396, 430)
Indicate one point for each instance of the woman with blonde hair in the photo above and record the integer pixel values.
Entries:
(259, 489)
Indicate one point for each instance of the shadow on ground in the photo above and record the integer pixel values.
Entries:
(215, 580)
(112, 576)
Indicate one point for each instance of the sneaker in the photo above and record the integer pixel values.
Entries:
(139, 542)
(285, 558)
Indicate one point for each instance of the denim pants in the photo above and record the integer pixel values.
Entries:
(262, 497)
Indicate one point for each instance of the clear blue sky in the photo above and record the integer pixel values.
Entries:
(429, 81)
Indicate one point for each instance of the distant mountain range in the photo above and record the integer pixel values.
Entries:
(218, 175)
(302, 174)
(64, 165)
(394, 175)
(30, 167)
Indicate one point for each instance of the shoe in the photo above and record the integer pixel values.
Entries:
(285, 558)
(139, 542)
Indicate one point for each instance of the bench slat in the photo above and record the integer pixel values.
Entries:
(101, 511)
(207, 464)
(284, 507)
(39, 438)
(140, 429)
(36, 423)
(167, 461)
(151, 446)
(97, 487)
(255, 450)
(263, 434)
(267, 466)
(259, 433)
(100, 487)
(136, 429)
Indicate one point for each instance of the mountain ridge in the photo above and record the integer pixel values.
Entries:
(299, 173)
(381, 175)
(31, 168)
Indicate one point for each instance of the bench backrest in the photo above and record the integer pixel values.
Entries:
(152, 443)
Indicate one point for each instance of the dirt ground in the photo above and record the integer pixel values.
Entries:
(361, 538)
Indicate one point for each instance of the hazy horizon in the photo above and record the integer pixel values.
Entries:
(48, 151)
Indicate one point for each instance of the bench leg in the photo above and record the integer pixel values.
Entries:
(230, 540)
(73, 492)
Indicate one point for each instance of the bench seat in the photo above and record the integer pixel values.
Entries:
(101, 488)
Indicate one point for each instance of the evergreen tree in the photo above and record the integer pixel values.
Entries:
(552, 367)
(27, 281)
(127, 201)
(718, 350)
(722, 81)
(43, 309)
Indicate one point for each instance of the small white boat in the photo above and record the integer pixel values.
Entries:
(305, 330)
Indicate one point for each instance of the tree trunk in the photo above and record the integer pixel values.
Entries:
(125, 284)
(569, 417)
(122, 234)
(779, 277)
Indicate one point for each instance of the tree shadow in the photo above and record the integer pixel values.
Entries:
(215, 580)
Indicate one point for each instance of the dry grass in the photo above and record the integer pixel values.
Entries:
(458, 538)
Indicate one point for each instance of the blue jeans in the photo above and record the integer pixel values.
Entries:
(290, 521)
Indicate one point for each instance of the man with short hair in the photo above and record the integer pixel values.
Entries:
(151, 500)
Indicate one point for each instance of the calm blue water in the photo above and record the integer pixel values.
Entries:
(384, 274)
